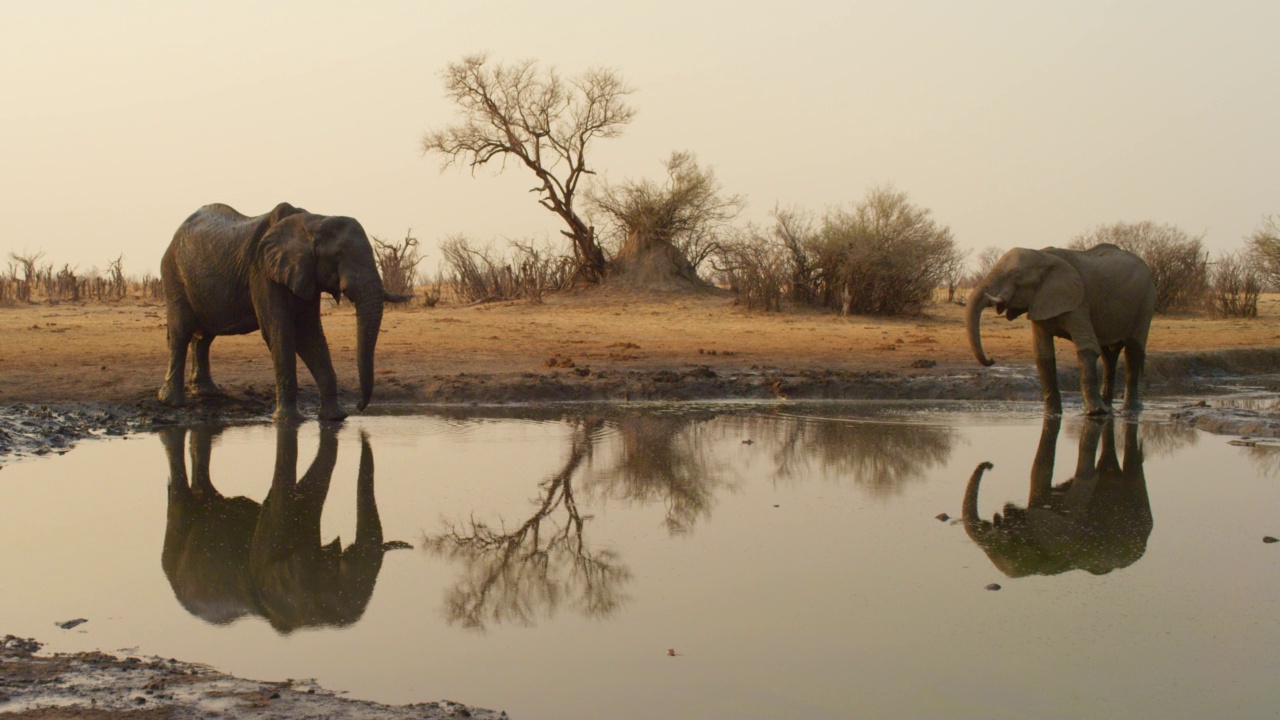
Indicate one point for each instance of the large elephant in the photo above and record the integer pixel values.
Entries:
(230, 557)
(1101, 299)
(228, 274)
(1099, 520)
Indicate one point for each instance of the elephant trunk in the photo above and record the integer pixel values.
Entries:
(973, 525)
(979, 300)
(368, 301)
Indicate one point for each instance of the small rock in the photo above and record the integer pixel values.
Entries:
(1269, 539)
(993, 586)
(942, 517)
(68, 624)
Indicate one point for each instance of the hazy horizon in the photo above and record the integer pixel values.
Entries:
(1014, 123)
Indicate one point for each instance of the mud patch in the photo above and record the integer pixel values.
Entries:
(101, 685)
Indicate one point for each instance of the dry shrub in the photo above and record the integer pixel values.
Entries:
(398, 263)
(1264, 248)
(755, 267)
(1236, 284)
(885, 256)
(479, 275)
(1179, 262)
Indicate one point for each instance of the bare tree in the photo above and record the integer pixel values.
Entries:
(1264, 248)
(985, 261)
(668, 230)
(398, 263)
(1236, 285)
(951, 264)
(532, 115)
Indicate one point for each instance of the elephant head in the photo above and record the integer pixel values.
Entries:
(313, 254)
(1099, 520)
(1035, 282)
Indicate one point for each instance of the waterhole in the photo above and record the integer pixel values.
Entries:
(881, 560)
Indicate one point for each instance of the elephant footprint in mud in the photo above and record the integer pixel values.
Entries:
(230, 557)
(1101, 299)
(1099, 520)
(228, 274)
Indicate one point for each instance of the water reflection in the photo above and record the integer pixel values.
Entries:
(882, 457)
(667, 459)
(1098, 520)
(230, 557)
(544, 563)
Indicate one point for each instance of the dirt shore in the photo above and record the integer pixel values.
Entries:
(73, 370)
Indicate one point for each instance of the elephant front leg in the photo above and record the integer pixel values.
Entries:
(314, 351)
(282, 344)
(1047, 368)
(1110, 355)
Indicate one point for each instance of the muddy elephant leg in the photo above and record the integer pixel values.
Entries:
(1110, 355)
(201, 380)
(1093, 404)
(1135, 360)
(1047, 367)
(280, 339)
(314, 351)
(181, 328)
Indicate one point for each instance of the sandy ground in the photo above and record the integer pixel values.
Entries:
(584, 346)
(69, 371)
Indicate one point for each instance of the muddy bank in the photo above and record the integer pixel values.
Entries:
(100, 685)
(40, 429)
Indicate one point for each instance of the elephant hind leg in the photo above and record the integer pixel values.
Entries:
(201, 379)
(1135, 360)
(181, 328)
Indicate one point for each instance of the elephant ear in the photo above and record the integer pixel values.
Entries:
(1061, 291)
(287, 256)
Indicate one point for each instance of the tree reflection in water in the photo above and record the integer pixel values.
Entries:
(667, 459)
(532, 571)
(545, 563)
(878, 455)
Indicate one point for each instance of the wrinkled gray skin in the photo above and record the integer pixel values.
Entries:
(1102, 299)
(230, 557)
(228, 274)
(1098, 520)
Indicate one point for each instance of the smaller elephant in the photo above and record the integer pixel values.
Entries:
(231, 557)
(228, 274)
(1099, 520)
(1102, 299)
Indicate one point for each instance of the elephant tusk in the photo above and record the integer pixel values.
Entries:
(992, 299)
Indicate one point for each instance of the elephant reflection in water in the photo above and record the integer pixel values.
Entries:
(230, 557)
(1098, 520)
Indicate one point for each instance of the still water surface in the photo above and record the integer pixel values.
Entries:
(791, 556)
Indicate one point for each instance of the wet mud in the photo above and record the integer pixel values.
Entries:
(96, 685)
(42, 429)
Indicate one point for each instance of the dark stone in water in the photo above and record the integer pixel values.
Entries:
(993, 586)
(72, 623)
(1269, 539)
(942, 517)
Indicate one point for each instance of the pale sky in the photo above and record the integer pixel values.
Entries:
(1016, 123)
